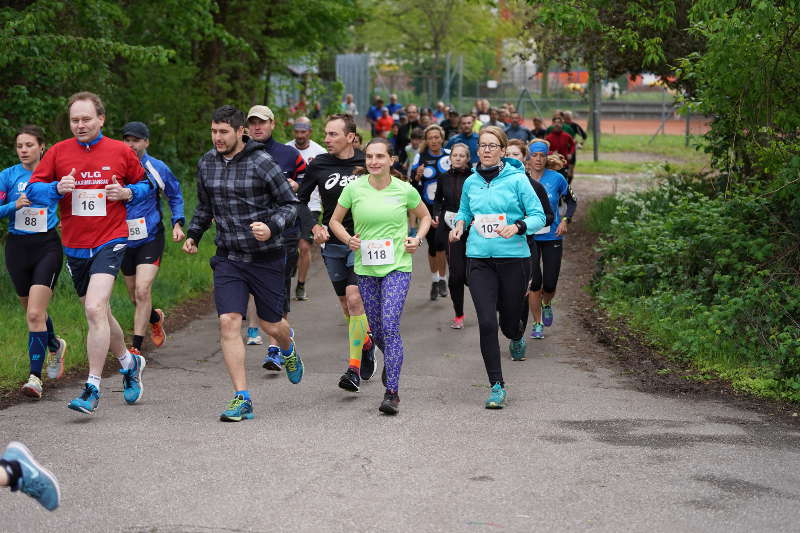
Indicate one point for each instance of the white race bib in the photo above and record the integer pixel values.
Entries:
(377, 252)
(89, 202)
(32, 219)
(137, 229)
(450, 219)
(542, 231)
(487, 225)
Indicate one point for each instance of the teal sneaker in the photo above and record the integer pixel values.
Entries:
(34, 480)
(537, 331)
(497, 397)
(87, 401)
(293, 365)
(238, 409)
(547, 315)
(517, 349)
(132, 387)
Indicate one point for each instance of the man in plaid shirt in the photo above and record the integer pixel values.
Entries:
(243, 190)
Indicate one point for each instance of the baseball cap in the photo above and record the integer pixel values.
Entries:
(261, 111)
(136, 129)
(302, 126)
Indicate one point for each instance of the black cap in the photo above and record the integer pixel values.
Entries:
(136, 129)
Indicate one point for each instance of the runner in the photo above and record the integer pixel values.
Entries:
(498, 198)
(546, 259)
(241, 188)
(93, 176)
(146, 236)
(431, 162)
(329, 174)
(446, 203)
(561, 142)
(378, 204)
(519, 150)
(309, 150)
(466, 136)
(260, 125)
(20, 471)
(33, 258)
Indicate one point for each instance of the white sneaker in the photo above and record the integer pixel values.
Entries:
(254, 340)
(55, 361)
(33, 388)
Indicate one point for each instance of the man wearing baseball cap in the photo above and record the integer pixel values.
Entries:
(146, 235)
(260, 125)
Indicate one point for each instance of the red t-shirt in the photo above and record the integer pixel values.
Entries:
(561, 142)
(384, 123)
(94, 166)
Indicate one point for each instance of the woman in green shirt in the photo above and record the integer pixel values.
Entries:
(380, 205)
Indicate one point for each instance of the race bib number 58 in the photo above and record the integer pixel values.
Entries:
(487, 225)
(89, 202)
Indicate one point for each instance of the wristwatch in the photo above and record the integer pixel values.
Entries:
(568, 220)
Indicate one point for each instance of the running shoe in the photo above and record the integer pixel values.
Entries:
(294, 365)
(368, 358)
(497, 397)
(537, 331)
(253, 338)
(87, 402)
(443, 288)
(132, 387)
(273, 360)
(33, 388)
(300, 293)
(55, 360)
(547, 315)
(350, 380)
(35, 480)
(517, 349)
(457, 323)
(237, 410)
(157, 333)
(434, 290)
(390, 404)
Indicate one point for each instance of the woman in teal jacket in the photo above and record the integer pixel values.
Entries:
(502, 208)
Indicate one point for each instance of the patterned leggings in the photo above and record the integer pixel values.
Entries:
(384, 299)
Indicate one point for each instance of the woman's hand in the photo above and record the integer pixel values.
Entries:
(412, 243)
(435, 222)
(354, 242)
(562, 227)
(456, 233)
(22, 201)
(507, 232)
(419, 173)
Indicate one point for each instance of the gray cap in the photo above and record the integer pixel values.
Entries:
(136, 129)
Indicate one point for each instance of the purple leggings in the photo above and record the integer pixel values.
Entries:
(384, 299)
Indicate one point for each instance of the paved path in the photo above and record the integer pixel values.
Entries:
(577, 448)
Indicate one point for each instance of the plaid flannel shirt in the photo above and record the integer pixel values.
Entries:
(250, 188)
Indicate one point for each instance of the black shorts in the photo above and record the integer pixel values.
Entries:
(435, 243)
(106, 261)
(340, 264)
(34, 259)
(307, 222)
(235, 281)
(147, 254)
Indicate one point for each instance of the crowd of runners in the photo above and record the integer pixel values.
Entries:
(489, 198)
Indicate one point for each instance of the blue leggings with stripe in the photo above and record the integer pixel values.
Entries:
(384, 299)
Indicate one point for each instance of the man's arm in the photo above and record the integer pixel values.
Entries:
(172, 188)
(281, 192)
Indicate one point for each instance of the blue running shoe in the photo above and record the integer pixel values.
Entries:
(87, 401)
(294, 365)
(497, 397)
(547, 315)
(274, 359)
(132, 387)
(517, 349)
(537, 331)
(238, 409)
(253, 338)
(35, 480)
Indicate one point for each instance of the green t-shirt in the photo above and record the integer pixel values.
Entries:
(381, 217)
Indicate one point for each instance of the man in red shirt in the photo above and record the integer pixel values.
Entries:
(561, 142)
(384, 124)
(92, 177)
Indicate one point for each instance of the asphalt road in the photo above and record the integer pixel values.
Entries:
(576, 449)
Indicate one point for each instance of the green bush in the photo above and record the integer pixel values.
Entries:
(712, 278)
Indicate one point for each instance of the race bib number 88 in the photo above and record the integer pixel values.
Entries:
(32, 219)
(377, 252)
(487, 225)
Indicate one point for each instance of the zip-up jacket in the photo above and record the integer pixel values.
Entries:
(148, 206)
(249, 188)
(508, 194)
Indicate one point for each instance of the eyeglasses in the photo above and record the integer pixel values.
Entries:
(491, 147)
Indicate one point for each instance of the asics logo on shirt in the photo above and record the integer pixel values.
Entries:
(339, 179)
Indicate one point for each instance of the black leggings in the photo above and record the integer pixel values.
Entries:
(457, 268)
(499, 285)
(548, 253)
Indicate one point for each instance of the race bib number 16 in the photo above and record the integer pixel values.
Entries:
(89, 202)
(487, 225)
